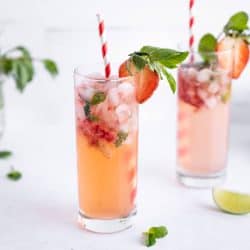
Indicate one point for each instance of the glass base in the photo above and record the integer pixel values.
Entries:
(106, 225)
(197, 181)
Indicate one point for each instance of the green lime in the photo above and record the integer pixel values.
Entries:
(231, 202)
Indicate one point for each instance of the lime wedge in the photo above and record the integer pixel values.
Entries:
(231, 202)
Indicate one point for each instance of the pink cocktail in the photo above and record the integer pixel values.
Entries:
(203, 123)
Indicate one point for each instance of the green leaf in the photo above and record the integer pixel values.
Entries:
(5, 65)
(149, 239)
(5, 154)
(25, 52)
(86, 109)
(237, 22)
(138, 61)
(170, 79)
(98, 98)
(121, 137)
(14, 175)
(168, 57)
(21, 73)
(207, 47)
(158, 232)
(50, 66)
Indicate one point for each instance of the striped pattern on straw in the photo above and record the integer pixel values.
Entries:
(101, 30)
(191, 25)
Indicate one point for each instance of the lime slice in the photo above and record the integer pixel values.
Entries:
(231, 202)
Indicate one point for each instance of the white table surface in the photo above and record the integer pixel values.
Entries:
(39, 212)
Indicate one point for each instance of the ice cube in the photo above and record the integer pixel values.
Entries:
(86, 93)
(126, 91)
(123, 112)
(213, 87)
(192, 73)
(204, 75)
(211, 102)
(113, 97)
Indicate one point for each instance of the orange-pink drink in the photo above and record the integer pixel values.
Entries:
(203, 123)
(106, 131)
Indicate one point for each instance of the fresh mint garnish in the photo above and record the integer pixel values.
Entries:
(167, 57)
(18, 64)
(14, 175)
(86, 109)
(121, 137)
(98, 98)
(50, 66)
(5, 154)
(207, 47)
(237, 23)
(158, 60)
(154, 233)
(159, 232)
(149, 239)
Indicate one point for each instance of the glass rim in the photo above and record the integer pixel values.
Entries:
(79, 72)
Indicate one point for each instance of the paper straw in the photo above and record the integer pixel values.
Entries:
(191, 25)
(104, 45)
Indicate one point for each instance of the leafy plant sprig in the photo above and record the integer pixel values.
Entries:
(154, 233)
(237, 26)
(159, 60)
(18, 64)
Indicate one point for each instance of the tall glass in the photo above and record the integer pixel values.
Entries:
(106, 135)
(204, 91)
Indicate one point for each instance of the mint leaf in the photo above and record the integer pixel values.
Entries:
(14, 175)
(170, 79)
(50, 66)
(149, 239)
(154, 233)
(98, 98)
(237, 22)
(5, 65)
(167, 57)
(158, 232)
(138, 61)
(86, 109)
(20, 73)
(5, 154)
(25, 52)
(121, 137)
(207, 47)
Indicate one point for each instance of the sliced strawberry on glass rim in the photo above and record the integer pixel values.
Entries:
(237, 59)
(146, 80)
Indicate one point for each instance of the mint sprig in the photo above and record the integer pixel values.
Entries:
(121, 137)
(158, 60)
(97, 98)
(18, 64)
(14, 175)
(237, 23)
(207, 46)
(5, 154)
(154, 233)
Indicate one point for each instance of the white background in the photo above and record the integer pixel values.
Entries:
(39, 211)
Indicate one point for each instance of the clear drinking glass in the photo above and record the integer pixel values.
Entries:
(204, 91)
(106, 135)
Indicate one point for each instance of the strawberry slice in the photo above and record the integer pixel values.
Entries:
(146, 80)
(239, 57)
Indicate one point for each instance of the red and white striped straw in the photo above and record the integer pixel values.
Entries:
(104, 45)
(191, 25)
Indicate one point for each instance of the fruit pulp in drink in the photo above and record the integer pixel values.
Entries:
(203, 119)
